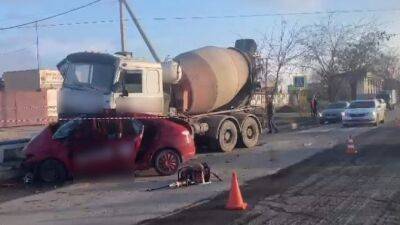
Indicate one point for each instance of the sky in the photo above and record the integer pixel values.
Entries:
(170, 37)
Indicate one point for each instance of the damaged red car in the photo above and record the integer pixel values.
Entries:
(99, 145)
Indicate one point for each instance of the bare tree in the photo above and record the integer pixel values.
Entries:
(388, 65)
(323, 43)
(366, 53)
(279, 51)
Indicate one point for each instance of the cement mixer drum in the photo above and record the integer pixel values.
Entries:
(212, 77)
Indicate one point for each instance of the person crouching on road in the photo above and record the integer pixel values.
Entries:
(270, 116)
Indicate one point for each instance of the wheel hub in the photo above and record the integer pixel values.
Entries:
(169, 162)
(228, 136)
(249, 132)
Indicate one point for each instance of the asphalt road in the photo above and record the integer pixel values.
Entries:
(328, 188)
(118, 200)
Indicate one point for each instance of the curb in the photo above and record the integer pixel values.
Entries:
(9, 155)
(16, 141)
(298, 126)
(8, 173)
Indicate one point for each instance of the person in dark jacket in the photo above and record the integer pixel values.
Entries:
(314, 106)
(270, 116)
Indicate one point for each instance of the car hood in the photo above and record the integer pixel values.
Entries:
(39, 143)
(360, 110)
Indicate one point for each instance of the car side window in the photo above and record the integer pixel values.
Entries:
(115, 129)
(67, 129)
(137, 126)
(85, 131)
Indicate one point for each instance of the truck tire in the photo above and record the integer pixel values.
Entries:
(167, 162)
(52, 171)
(227, 137)
(250, 132)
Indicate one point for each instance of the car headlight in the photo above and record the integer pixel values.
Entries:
(373, 114)
(320, 114)
(343, 113)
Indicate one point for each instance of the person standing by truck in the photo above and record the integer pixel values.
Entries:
(270, 116)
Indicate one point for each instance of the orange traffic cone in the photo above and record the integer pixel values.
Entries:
(235, 201)
(351, 149)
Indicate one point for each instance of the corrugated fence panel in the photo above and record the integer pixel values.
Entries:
(21, 108)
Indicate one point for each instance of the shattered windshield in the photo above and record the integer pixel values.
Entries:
(95, 76)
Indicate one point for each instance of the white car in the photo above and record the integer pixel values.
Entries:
(363, 112)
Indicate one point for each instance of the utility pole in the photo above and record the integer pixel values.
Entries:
(122, 25)
(141, 31)
(37, 47)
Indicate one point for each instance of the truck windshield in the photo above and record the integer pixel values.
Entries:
(95, 76)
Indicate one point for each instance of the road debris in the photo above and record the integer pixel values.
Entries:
(191, 174)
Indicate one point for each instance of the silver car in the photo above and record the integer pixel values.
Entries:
(333, 112)
(363, 112)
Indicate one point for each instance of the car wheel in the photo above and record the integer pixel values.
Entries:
(167, 162)
(250, 133)
(227, 136)
(52, 171)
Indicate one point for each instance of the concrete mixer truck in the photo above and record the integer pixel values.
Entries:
(209, 88)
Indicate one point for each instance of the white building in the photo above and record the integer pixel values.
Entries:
(32, 80)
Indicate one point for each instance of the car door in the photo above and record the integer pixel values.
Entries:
(140, 90)
(127, 142)
(90, 149)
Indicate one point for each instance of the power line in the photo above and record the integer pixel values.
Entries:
(330, 12)
(17, 50)
(52, 16)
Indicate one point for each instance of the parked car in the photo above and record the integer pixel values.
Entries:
(86, 146)
(333, 112)
(363, 112)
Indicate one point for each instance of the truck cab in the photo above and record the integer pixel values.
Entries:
(96, 81)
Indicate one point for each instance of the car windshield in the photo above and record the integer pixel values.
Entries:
(363, 104)
(94, 76)
(66, 129)
(340, 105)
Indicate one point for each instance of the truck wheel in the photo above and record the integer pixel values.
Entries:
(167, 162)
(250, 132)
(227, 136)
(52, 171)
